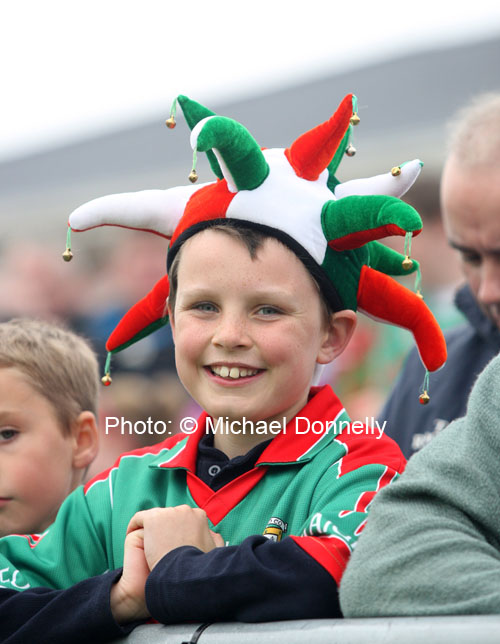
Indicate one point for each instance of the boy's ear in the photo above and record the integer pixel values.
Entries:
(337, 335)
(171, 318)
(85, 440)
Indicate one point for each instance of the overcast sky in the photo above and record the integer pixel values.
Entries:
(71, 68)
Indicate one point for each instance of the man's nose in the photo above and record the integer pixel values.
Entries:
(489, 287)
(232, 331)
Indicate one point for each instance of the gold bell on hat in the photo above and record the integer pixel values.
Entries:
(424, 398)
(193, 176)
(396, 171)
(350, 150)
(407, 263)
(106, 380)
(354, 120)
(170, 122)
(67, 255)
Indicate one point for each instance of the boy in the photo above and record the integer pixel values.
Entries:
(271, 470)
(48, 432)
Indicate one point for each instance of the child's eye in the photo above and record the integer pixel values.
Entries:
(7, 434)
(268, 310)
(205, 306)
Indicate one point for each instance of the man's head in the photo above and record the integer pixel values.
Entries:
(249, 325)
(470, 197)
(48, 433)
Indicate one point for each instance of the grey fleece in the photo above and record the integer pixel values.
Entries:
(432, 542)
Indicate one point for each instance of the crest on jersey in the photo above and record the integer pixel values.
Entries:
(275, 529)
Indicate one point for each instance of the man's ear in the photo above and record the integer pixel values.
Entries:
(171, 318)
(85, 440)
(338, 333)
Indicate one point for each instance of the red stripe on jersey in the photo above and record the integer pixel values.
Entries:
(372, 450)
(143, 451)
(360, 528)
(365, 498)
(330, 552)
(33, 539)
(218, 504)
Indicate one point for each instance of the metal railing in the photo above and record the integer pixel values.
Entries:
(483, 629)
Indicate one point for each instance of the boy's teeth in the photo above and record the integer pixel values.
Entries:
(234, 372)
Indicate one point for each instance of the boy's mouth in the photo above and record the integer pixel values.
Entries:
(233, 372)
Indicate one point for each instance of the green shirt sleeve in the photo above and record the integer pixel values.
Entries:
(72, 548)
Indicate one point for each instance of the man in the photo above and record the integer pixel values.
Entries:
(470, 198)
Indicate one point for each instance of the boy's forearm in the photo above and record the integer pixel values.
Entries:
(258, 580)
(81, 613)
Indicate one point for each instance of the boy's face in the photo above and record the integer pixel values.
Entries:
(36, 459)
(261, 320)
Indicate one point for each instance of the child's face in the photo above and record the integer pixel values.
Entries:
(261, 316)
(36, 459)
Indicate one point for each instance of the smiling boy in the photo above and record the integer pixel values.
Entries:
(222, 525)
(260, 318)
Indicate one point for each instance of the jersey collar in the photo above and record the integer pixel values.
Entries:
(299, 443)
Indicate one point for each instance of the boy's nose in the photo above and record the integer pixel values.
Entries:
(231, 332)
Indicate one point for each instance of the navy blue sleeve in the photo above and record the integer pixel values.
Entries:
(259, 580)
(402, 413)
(81, 613)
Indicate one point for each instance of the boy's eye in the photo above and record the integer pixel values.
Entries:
(8, 434)
(268, 310)
(205, 306)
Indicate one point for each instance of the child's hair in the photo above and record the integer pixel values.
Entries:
(252, 239)
(58, 364)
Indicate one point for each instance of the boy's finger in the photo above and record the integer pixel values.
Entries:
(218, 540)
(137, 521)
(135, 538)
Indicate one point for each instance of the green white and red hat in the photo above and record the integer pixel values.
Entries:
(294, 195)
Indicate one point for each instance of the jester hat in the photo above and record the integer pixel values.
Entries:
(293, 195)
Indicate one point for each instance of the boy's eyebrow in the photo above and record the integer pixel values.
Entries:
(6, 414)
(206, 291)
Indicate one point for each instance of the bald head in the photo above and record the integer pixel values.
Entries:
(474, 134)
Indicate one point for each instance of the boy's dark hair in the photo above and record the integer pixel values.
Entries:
(57, 363)
(252, 239)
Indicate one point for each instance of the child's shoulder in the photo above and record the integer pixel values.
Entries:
(143, 452)
(367, 444)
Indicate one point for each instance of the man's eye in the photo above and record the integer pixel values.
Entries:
(8, 434)
(471, 258)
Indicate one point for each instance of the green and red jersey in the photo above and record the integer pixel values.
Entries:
(312, 486)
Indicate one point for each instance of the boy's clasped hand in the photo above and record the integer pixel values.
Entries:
(151, 534)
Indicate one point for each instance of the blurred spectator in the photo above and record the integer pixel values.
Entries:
(470, 194)
(135, 398)
(132, 268)
(379, 350)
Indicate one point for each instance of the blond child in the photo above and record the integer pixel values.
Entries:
(48, 432)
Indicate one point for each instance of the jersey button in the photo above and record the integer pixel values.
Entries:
(214, 469)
